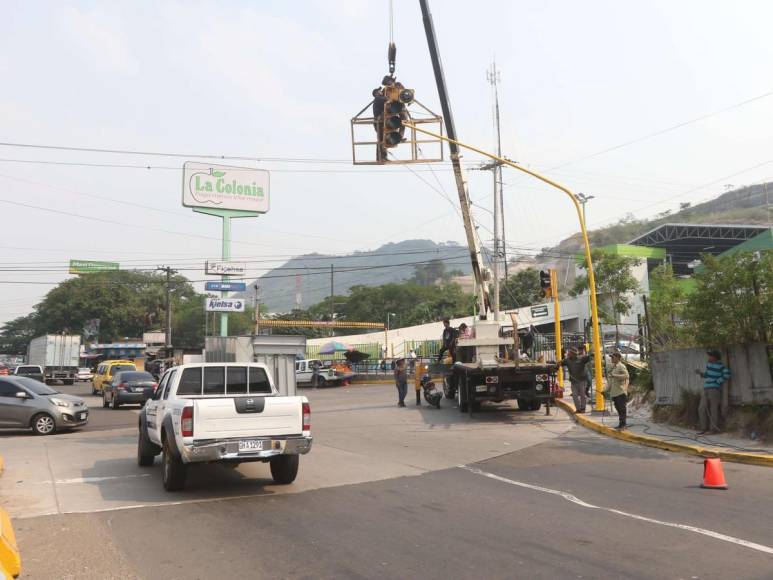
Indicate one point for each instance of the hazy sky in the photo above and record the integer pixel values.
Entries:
(281, 79)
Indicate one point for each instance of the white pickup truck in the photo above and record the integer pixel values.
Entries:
(222, 412)
(313, 372)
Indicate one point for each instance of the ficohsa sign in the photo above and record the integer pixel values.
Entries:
(224, 187)
(224, 305)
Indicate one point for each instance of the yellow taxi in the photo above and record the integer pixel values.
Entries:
(106, 370)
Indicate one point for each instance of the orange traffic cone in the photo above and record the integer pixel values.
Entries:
(713, 476)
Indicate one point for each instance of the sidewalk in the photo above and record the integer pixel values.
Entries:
(641, 429)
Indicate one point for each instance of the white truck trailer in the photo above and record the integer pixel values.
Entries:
(58, 355)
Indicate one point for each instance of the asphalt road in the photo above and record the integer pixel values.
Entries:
(566, 504)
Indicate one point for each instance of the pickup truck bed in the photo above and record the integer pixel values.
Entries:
(194, 417)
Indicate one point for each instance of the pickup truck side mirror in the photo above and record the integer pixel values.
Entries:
(22, 395)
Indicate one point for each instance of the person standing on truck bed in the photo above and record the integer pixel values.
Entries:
(577, 377)
(448, 341)
(401, 382)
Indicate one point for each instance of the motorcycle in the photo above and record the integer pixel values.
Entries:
(431, 393)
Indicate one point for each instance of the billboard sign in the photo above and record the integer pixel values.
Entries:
(211, 186)
(90, 266)
(225, 287)
(225, 268)
(223, 305)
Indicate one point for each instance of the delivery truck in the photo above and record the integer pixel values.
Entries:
(58, 355)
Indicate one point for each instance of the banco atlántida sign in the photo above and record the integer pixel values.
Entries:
(224, 187)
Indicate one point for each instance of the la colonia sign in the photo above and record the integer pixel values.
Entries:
(224, 187)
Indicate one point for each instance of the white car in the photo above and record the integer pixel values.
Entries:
(226, 413)
(85, 374)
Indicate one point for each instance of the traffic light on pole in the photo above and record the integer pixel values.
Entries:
(397, 98)
(545, 283)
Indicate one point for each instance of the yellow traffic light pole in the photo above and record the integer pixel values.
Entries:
(599, 401)
(557, 324)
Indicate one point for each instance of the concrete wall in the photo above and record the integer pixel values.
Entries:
(751, 381)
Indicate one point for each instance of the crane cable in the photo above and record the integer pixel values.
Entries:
(392, 51)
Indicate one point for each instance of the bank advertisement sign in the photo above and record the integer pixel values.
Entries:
(225, 268)
(90, 266)
(224, 187)
(224, 305)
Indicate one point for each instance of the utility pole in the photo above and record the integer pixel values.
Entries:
(168, 326)
(492, 75)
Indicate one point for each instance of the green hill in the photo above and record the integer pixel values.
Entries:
(746, 205)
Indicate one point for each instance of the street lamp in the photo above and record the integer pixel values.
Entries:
(583, 199)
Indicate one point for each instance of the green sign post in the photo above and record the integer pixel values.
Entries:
(226, 192)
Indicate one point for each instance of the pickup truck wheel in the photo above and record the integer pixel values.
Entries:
(284, 468)
(321, 382)
(174, 470)
(146, 451)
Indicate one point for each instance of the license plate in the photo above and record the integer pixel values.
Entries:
(82, 416)
(250, 445)
(481, 388)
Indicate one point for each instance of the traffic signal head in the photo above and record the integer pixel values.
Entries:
(395, 113)
(544, 283)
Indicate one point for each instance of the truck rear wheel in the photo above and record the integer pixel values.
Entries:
(461, 397)
(174, 470)
(284, 468)
(535, 405)
(448, 392)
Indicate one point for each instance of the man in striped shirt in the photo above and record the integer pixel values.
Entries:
(715, 375)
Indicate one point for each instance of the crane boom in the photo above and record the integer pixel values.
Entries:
(479, 272)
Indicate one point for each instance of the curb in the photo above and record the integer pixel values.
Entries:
(734, 456)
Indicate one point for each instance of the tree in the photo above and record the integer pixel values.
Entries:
(520, 289)
(733, 300)
(614, 285)
(666, 309)
(125, 302)
(429, 273)
(16, 334)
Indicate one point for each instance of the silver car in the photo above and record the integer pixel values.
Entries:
(27, 403)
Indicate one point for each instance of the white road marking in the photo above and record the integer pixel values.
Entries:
(574, 499)
(83, 479)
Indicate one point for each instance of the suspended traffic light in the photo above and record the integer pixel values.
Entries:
(397, 97)
(545, 284)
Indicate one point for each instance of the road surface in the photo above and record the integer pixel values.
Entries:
(391, 493)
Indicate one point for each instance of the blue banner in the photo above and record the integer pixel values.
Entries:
(226, 286)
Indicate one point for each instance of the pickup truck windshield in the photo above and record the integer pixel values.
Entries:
(211, 380)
